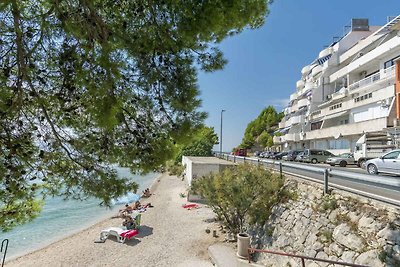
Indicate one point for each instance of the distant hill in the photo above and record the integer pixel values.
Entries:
(259, 132)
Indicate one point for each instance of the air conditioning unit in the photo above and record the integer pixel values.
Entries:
(385, 103)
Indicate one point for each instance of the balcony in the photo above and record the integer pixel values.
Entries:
(300, 84)
(391, 46)
(340, 94)
(386, 74)
(278, 139)
(348, 129)
(293, 96)
(325, 52)
(316, 70)
(293, 137)
(305, 70)
(296, 119)
(303, 102)
(308, 86)
(282, 124)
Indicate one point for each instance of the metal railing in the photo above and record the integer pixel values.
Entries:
(251, 251)
(365, 81)
(387, 73)
(325, 175)
(5, 241)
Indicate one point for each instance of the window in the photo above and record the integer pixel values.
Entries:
(363, 97)
(389, 63)
(339, 144)
(392, 155)
(335, 106)
(316, 125)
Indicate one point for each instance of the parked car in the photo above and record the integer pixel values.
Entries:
(299, 157)
(272, 154)
(342, 160)
(292, 154)
(263, 154)
(280, 155)
(316, 155)
(388, 163)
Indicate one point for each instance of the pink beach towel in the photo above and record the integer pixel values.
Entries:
(129, 234)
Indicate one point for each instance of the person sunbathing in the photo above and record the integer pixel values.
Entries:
(127, 210)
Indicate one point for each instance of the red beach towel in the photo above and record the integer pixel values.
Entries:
(190, 206)
(129, 233)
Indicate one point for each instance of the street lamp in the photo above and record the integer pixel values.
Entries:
(220, 136)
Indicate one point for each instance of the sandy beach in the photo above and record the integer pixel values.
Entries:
(169, 236)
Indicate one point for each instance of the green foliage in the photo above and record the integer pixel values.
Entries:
(175, 168)
(328, 203)
(240, 194)
(88, 85)
(201, 144)
(261, 130)
(328, 235)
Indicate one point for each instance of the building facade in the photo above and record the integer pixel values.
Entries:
(349, 89)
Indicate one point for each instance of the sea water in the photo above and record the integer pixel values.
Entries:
(60, 218)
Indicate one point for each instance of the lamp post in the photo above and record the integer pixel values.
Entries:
(220, 135)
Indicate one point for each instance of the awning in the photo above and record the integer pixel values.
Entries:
(321, 60)
(284, 130)
(335, 115)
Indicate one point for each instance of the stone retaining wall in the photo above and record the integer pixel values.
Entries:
(339, 226)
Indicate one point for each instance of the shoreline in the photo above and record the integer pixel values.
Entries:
(79, 249)
(70, 234)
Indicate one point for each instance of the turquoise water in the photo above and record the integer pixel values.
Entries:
(61, 218)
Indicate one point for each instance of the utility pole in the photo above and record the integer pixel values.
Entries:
(220, 135)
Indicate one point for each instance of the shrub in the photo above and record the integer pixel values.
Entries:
(175, 169)
(241, 195)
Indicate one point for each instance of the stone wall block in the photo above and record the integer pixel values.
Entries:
(369, 258)
(343, 236)
(307, 212)
(335, 249)
(369, 225)
(349, 256)
(324, 256)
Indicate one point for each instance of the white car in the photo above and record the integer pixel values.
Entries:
(388, 163)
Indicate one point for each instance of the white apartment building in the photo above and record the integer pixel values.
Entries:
(347, 91)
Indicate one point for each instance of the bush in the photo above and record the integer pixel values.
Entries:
(241, 195)
(175, 169)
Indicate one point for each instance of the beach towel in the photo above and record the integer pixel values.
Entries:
(192, 205)
(128, 234)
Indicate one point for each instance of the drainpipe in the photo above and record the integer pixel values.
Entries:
(397, 88)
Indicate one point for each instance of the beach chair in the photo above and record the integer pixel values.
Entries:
(119, 233)
(137, 221)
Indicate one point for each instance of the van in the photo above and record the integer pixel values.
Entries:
(316, 155)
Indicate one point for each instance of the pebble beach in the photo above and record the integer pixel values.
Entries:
(169, 236)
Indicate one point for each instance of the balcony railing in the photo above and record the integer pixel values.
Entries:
(387, 73)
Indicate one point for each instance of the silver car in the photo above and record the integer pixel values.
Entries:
(342, 160)
(388, 163)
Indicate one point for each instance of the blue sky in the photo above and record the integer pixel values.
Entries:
(264, 64)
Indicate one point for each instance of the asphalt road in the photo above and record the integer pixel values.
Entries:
(384, 188)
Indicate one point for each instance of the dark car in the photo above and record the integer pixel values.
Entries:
(280, 155)
(292, 154)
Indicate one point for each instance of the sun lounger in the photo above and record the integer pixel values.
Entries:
(119, 233)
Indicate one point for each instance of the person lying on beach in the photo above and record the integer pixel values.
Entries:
(123, 212)
(137, 205)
